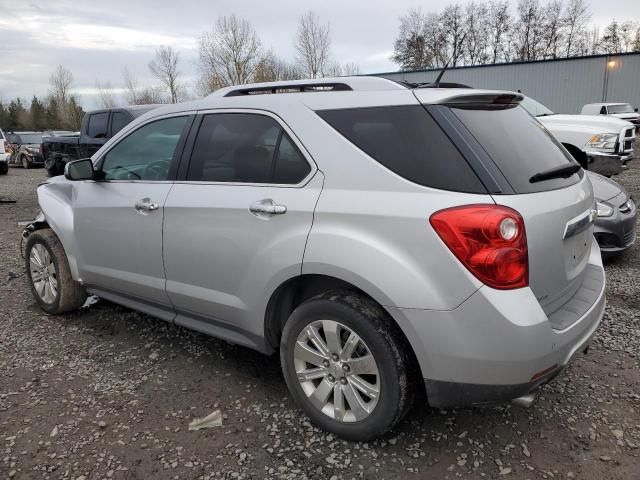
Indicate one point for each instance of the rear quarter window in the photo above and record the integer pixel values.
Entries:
(407, 141)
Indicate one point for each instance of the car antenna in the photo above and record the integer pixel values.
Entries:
(436, 84)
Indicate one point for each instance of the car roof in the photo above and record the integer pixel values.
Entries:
(134, 110)
(324, 93)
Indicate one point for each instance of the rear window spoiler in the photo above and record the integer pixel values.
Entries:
(484, 98)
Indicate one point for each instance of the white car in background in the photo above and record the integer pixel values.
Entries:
(4, 154)
(599, 143)
(623, 111)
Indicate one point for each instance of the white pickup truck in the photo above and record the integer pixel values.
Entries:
(600, 143)
(623, 111)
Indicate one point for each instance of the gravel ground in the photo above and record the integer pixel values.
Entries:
(109, 393)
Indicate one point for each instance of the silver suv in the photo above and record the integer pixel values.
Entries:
(384, 239)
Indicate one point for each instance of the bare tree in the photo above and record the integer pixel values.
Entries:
(551, 28)
(333, 69)
(105, 94)
(135, 95)
(351, 68)
(636, 41)
(312, 45)
(498, 20)
(411, 50)
(452, 21)
(476, 33)
(628, 31)
(528, 33)
(61, 80)
(575, 18)
(271, 68)
(229, 54)
(165, 68)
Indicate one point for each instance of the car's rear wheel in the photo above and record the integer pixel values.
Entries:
(49, 276)
(4, 168)
(347, 365)
(25, 161)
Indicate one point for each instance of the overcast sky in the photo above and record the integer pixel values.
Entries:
(96, 39)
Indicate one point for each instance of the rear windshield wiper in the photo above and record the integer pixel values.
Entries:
(564, 171)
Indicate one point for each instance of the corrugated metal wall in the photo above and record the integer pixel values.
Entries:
(562, 85)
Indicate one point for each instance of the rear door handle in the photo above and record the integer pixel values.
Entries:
(146, 205)
(267, 206)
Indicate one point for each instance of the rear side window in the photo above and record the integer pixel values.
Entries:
(98, 125)
(119, 120)
(245, 148)
(407, 141)
(518, 144)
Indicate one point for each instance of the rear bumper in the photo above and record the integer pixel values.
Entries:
(495, 345)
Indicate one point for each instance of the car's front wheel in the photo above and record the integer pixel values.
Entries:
(347, 365)
(49, 275)
(4, 168)
(25, 161)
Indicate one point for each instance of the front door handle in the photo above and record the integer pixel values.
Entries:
(267, 206)
(146, 205)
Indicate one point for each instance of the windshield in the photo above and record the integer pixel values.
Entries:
(534, 108)
(625, 108)
(30, 138)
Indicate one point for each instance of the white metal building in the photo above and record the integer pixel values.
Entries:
(563, 85)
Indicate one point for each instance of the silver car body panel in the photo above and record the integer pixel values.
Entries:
(351, 219)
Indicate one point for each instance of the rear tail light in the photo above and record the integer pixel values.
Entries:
(489, 240)
(42, 150)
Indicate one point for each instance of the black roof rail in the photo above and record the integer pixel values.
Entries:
(291, 88)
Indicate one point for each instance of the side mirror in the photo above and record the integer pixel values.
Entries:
(79, 170)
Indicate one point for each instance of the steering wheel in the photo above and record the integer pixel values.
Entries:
(157, 170)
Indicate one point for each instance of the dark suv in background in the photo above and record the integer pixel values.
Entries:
(98, 126)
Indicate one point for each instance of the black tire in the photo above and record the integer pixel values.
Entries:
(385, 342)
(24, 160)
(4, 168)
(70, 294)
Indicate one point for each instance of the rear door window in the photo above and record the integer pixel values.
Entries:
(118, 121)
(98, 125)
(519, 145)
(245, 148)
(407, 141)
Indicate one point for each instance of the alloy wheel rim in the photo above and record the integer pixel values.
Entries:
(337, 371)
(43, 273)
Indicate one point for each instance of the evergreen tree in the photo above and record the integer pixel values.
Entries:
(38, 115)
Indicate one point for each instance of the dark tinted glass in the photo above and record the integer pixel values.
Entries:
(98, 125)
(291, 167)
(242, 148)
(145, 153)
(407, 141)
(118, 121)
(518, 144)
